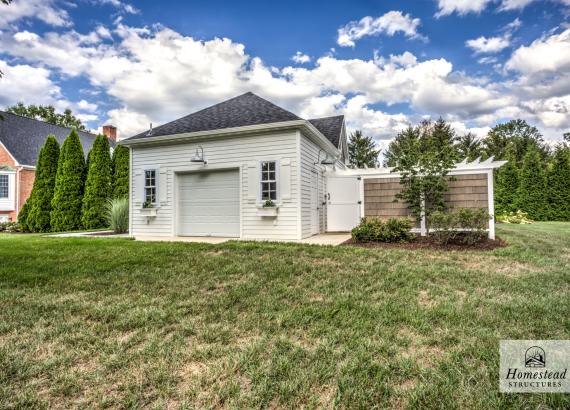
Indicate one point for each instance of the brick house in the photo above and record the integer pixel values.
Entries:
(21, 139)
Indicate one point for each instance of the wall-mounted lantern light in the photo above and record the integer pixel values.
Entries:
(326, 160)
(199, 156)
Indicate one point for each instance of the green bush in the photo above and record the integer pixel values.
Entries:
(518, 217)
(532, 193)
(118, 214)
(120, 165)
(38, 219)
(69, 184)
(375, 230)
(466, 225)
(558, 182)
(23, 216)
(98, 185)
(9, 227)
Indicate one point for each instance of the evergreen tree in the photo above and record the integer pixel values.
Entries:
(441, 141)
(69, 184)
(23, 216)
(469, 147)
(38, 219)
(97, 186)
(517, 133)
(362, 150)
(559, 185)
(506, 185)
(405, 141)
(531, 195)
(120, 166)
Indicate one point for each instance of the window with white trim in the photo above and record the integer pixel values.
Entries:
(268, 180)
(4, 186)
(150, 186)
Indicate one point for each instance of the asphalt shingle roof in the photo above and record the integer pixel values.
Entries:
(240, 111)
(24, 137)
(330, 127)
(245, 109)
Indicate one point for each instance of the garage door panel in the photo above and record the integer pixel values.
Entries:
(208, 204)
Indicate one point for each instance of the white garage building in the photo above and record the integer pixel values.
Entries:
(210, 174)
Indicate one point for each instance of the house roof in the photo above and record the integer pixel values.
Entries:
(330, 127)
(24, 137)
(243, 110)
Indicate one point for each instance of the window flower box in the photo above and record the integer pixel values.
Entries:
(149, 212)
(267, 211)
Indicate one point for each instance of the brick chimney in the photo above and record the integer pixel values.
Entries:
(110, 132)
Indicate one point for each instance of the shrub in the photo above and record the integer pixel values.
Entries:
(38, 219)
(9, 227)
(466, 225)
(532, 193)
(120, 164)
(118, 214)
(70, 180)
(518, 217)
(375, 230)
(23, 216)
(98, 185)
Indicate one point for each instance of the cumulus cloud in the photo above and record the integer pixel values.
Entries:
(488, 45)
(26, 83)
(461, 7)
(44, 10)
(301, 58)
(390, 23)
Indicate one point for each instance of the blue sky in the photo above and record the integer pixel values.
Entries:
(384, 64)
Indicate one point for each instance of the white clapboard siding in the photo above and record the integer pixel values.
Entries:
(309, 155)
(243, 152)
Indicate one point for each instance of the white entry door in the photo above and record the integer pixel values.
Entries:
(343, 203)
(315, 206)
(208, 204)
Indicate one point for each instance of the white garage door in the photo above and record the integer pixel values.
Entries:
(208, 204)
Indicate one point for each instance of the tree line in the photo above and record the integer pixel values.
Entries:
(536, 178)
(71, 192)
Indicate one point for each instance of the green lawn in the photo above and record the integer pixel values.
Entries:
(88, 322)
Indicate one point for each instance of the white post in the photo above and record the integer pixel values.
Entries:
(491, 202)
(423, 229)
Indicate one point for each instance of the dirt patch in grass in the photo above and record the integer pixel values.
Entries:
(428, 242)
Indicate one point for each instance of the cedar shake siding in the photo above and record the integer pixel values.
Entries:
(465, 191)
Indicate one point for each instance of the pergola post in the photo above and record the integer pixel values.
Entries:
(491, 203)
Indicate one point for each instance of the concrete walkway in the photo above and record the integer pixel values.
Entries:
(333, 239)
(95, 234)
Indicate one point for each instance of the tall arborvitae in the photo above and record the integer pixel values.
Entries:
(120, 165)
(97, 186)
(559, 185)
(42, 193)
(69, 184)
(507, 185)
(531, 194)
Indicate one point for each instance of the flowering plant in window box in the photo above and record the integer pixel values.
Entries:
(268, 209)
(148, 209)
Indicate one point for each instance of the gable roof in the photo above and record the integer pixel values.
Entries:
(240, 111)
(24, 137)
(330, 127)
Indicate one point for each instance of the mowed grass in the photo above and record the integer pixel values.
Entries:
(116, 323)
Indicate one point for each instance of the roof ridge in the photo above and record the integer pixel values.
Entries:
(48, 123)
(326, 118)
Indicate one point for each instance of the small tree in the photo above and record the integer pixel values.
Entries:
(47, 113)
(507, 185)
(362, 150)
(23, 216)
(424, 165)
(42, 192)
(531, 194)
(69, 184)
(404, 141)
(120, 166)
(559, 185)
(98, 185)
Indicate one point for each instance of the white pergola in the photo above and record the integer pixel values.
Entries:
(461, 168)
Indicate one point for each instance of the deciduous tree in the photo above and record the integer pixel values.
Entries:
(48, 114)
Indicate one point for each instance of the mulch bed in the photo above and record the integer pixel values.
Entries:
(426, 242)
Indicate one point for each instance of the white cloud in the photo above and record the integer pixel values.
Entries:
(126, 7)
(28, 84)
(547, 54)
(301, 58)
(487, 60)
(128, 122)
(514, 4)
(461, 7)
(390, 23)
(44, 10)
(488, 45)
